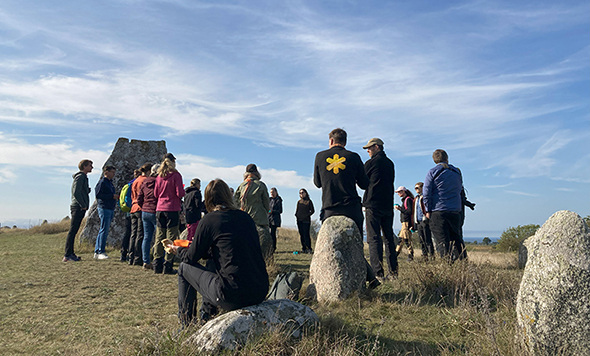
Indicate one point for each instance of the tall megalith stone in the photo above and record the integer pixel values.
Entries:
(126, 157)
(338, 267)
(553, 304)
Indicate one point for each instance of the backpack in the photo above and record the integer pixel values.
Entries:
(125, 201)
(286, 286)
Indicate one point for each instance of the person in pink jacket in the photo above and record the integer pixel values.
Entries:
(169, 192)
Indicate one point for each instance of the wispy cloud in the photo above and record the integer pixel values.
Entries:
(522, 193)
(565, 190)
(496, 186)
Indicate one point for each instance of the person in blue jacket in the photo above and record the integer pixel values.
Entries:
(442, 201)
(106, 198)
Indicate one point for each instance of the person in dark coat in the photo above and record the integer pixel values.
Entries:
(378, 203)
(193, 207)
(303, 215)
(106, 199)
(274, 215)
(78, 207)
(337, 171)
(235, 274)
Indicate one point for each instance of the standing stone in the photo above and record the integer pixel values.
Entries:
(233, 329)
(523, 254)
(338, 266)
(126, 157)
(553, 305)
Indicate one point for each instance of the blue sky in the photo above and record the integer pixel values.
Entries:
(503, 87)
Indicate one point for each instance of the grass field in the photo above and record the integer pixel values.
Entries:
(107, 307)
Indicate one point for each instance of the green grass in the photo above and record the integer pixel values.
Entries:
(107, 307)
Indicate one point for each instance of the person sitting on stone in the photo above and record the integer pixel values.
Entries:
(235, 273)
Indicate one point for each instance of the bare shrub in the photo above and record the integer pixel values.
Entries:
(51, 228)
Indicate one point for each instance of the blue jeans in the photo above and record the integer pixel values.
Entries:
(149, 226)
(106, 216)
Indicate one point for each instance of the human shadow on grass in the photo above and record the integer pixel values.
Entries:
(375, 342)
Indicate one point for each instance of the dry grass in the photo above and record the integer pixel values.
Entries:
(105, 307)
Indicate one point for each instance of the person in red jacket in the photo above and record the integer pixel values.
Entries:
(169, 192)
(136, 240)
(406, 209)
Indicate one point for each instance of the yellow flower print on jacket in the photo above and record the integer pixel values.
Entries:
(336, 163)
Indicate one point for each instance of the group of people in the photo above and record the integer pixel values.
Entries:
(236, 231)
(437, 213)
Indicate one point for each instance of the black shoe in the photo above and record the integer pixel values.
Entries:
(168, 268)
(158, 265)
(123, 258)
(374, 283)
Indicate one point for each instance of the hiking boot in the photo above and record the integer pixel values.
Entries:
(148, 266)
(101, 256)
(71, 257)
(158, 265)
(168, 268)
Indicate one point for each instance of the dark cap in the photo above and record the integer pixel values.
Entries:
(170, 156)
(251, 168)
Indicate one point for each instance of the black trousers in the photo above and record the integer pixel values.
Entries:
(273, 236)
(355, 212)
(193, 279)
(136, 240)
(377, 221)
(75, 222)
(445, 227)
(304, 234)
(126, 238)
(425, 239)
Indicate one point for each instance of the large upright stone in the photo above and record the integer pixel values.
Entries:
(338, 266)
(233, 329)
(553, 305)
(126, 157)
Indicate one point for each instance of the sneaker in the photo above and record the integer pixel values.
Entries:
(101, 256)
(148, 266)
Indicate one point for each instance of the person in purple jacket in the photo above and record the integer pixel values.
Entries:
(169, 192)
(442, 201)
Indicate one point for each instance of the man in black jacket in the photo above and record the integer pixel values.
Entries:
(378, 203)
(337, 171)
(79, 206)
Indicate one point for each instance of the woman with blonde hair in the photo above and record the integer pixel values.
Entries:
(169, 192)
(235, 275)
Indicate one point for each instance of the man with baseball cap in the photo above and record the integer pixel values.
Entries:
(378, 203)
